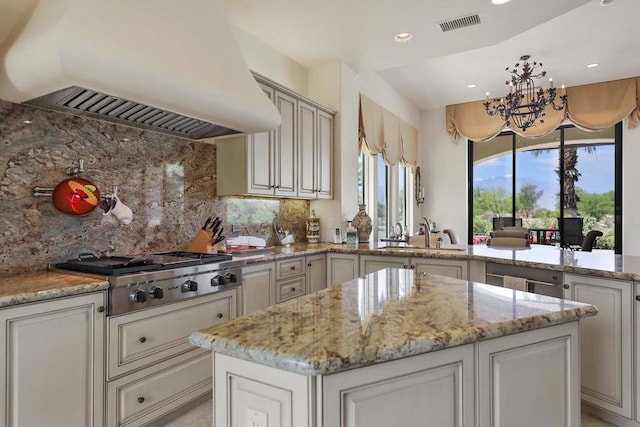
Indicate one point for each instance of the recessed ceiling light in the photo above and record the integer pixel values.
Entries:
(403, 37)
(594, 65)
(498, 2)
(471, 86)
(607, 2)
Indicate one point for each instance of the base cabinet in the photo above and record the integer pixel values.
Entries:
(529, 379)
(443, 267)
(53, 363)
(605, 341)
(341, 268)
(152, 368)
(316, 273)
(258, 287)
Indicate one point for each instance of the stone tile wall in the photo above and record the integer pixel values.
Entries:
(169, 183)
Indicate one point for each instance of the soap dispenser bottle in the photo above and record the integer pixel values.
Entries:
(352, 236)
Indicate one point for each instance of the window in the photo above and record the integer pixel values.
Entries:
(389, 187)
(560, 186)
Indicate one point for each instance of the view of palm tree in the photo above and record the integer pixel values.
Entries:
(586, 188)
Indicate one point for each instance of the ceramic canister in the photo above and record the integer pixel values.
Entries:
(313, 228)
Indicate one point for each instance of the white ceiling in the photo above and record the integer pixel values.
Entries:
(434, 68)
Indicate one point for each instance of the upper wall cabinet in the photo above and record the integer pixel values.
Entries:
(292, 161)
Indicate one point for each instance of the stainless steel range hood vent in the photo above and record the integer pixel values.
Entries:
(161, 65)
(86, 102)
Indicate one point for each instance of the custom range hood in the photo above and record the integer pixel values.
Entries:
(165, 65)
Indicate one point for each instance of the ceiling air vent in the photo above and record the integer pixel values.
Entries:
(87, 102)
(457, 23)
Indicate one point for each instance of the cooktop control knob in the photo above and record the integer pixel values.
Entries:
(190, 286)
(218, 281)
(232, 277)
(157, 292)
(139, 296)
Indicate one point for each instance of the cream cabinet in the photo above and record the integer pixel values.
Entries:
(373, 263)
(291, 278)
(53, 363)
(152, 368)
(258, 287)
(605, 341)
(458, 269)
(316, 273)
(341, 268)
(315, 145)
(445, 267)
(291, 161)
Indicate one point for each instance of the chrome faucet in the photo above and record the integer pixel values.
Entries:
(427, 232)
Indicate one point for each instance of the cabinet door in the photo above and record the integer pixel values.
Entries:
(324, 184)
(443, 267)
(605, 342)
(286, 168)
(260, 158)
(433, 389)
(530, 379)
(53, 364)
(315, 273)
(258, 287)
(373, 263)
(341, 268)
(307, 150)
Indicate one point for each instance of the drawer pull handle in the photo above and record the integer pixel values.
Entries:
(141, 399)
(101, 309)
(220, 315)
(143, 339)
(293, 267)
(566, 286)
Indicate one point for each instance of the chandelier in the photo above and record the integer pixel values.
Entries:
(525, 104)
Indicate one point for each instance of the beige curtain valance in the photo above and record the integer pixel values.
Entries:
(592, 107)
(382, 132)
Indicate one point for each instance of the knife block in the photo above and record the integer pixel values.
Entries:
(201, 242)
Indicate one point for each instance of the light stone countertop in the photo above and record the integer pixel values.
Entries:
(384, 316)
(597, 263)
(43, 285)
(22, 288)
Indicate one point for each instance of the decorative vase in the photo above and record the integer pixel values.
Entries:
(362, 221)
(313, 228)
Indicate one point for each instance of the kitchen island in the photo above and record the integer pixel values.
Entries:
(396, 348)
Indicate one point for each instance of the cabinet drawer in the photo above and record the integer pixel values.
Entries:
(151, 393)
(290, 289)
(139, 339)
(290, 268)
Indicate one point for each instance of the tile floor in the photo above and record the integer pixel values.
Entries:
(201, 416)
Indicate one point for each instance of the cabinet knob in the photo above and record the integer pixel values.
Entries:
(293, 289)
(101, 309)
(405, 266)
(309, 264)
(141, 399)
(637, 297)
(219, 315)
(142, 339)
(413, 267)
(293, 267)
(566, 286)
(277, 187)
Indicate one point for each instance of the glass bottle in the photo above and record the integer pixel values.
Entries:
(352, 236)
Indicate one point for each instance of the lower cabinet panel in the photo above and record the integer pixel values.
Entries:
(146, 395)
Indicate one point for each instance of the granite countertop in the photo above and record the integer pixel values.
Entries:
(597, 263)
(386, 315)
(43, 285)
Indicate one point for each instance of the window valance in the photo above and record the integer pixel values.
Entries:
(592, 107)
(381, 132)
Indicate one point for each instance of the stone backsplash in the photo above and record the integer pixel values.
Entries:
(169, 183)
